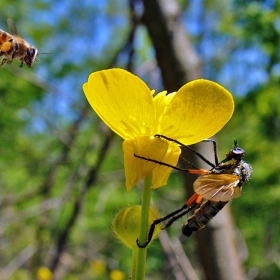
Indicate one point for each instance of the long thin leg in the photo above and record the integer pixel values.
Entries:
(192, 203)
(198, 171)
(185, 209)
(214, 148)
(175, 215)
(192, 171)
(194, 151)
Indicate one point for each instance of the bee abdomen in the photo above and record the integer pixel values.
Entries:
(202, 216)
(4, 36)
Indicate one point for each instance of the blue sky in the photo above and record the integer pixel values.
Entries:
(91, 28)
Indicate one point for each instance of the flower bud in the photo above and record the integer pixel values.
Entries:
(127, 224)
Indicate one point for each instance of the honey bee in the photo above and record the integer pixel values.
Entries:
(15, 47)
(222, 183)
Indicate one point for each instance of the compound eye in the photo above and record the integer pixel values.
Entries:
(31, 52)
(30, 56)
(238, 151)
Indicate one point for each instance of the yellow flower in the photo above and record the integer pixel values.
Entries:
(117, 275)
(43, 273)
(125, 103)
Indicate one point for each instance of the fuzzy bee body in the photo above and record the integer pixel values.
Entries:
(15, 47)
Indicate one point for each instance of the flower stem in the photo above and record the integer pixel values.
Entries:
(142, 252)
(134, 262)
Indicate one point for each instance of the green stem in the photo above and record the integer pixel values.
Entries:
(134, 262)
(142, 252)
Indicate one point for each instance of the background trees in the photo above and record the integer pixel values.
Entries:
(61, 171)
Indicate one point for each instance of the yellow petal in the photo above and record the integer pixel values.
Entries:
(123, 101)
(151, 148)
(161, 173)
(197, 111)
(161, 102)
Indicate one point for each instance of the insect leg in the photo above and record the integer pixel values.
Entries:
(178, 216)
(192, 203)
(199, 171)
(3, 61)
(192, 150)
(175, 215)
(214, 149)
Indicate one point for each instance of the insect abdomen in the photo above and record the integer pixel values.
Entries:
(4, 37)
(202, 216)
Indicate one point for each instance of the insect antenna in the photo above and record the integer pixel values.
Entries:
(42, 53)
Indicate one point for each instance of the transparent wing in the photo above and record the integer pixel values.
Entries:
(12, 27)
(218, 187)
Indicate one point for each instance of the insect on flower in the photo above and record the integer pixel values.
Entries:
(217, 186)
(15, 47)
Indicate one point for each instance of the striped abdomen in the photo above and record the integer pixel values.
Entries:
(202, 216)
(4, 37)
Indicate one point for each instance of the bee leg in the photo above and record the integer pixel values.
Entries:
(3, 61)
(21, 63)
(12, 58)
(14, 55)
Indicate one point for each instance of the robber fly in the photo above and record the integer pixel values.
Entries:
(15, 47)
(222, 183)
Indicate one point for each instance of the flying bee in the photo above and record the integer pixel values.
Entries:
(217, 186)
(15, 47)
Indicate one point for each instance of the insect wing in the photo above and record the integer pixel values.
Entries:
(12, 27)
(218, 187)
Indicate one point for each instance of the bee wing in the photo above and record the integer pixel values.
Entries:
(12, 27)
(218, 187)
